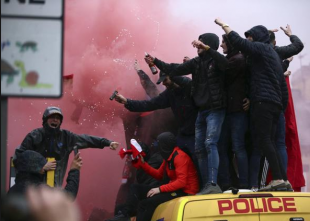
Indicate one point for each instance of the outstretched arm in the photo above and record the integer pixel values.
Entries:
(220, 60)
(252, 48)
(173, 69)
(294, 48)
(87, 141)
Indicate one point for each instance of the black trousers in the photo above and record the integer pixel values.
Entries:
(264, 117)
(146, 206)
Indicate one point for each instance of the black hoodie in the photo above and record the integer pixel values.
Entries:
(29, 165)
(207, 72)
(267, 81)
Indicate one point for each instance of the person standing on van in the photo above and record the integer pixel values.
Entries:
(285, 53)
(236, 118)
(268, 97)
(209, 95)
(180, 169)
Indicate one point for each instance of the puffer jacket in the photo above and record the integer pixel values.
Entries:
(267, 81)
(58, 145)
(207, 73)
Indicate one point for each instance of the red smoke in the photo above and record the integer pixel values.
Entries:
(102, 40)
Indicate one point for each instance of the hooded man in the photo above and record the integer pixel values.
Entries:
(52, 142)
(267, 93)
(210, 97)
(30, 166)
(236, 119)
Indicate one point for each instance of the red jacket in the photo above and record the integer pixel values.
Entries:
(183, 176)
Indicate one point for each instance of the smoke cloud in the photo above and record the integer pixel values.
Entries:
(102, 40)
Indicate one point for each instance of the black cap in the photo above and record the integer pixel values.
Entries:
(162, 77)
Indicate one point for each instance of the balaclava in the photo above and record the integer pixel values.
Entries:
(166, 142)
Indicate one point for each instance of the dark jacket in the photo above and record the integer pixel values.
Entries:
(180, 101)
(207, 72)
(290, 50)
(182, 174)
(235, 81)
(29, 166)
(58, 145)
(235, 78)
(267, 81)
(143, 178)
(24, 180)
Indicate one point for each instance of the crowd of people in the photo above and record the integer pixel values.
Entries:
(233, 105)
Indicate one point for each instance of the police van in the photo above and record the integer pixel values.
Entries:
(242, 206)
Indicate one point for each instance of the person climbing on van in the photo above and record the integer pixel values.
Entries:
(180, 169)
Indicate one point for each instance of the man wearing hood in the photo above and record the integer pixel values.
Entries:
(267, 93)
(285, 53)
(210, 97)
(31, 176)
(30, 166)
(52, 142)
(236, 118)
(180, 169)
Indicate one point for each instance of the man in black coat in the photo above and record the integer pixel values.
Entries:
(209, 95)
(267, 93)
(285, 53)
(52, 142)
(236, 118)
(177, 97)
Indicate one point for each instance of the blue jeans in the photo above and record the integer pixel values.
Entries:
(280, 142)
(233, 131)
(207, 133)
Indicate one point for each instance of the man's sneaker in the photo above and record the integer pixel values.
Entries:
(119, 217)
(289, 186)
(274, 185)
(210, 188)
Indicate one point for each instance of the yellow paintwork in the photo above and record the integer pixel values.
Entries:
(206, 207)
(50, 177)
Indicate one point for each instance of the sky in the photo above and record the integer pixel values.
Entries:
(102, 40)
